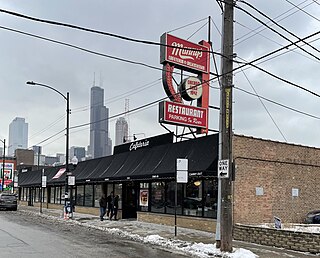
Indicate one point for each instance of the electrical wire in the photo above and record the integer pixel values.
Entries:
(264, 106)
(263, 28)
(300, 9)
(120, 96)
(283, 28)
(278, 33)
(47, 127)
(278, 104)
(147, 42)
(81, 48)
(277, 43)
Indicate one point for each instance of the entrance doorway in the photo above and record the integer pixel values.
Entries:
(129, 200)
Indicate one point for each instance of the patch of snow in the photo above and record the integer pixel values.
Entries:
(194, 249)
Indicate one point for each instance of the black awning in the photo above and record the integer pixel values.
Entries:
(144, 163)
(160, 161)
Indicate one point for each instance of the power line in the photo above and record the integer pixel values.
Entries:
(81, 48)
(282, 36)
(300, 9)
(283, 28)
(277, 43)
(264, 28)
(264, 106)
(147, 42)
(47, 127)
(277, 103)
(126, 94)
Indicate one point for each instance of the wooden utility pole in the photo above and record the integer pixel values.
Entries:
(226, 222)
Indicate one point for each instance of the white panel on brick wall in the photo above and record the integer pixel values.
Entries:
(259, 191)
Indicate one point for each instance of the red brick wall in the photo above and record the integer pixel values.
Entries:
(277, 168)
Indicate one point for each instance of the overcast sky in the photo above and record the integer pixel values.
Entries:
(25, 58)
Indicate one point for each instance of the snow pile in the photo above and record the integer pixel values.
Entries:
(194, 249)
(307, 228)
(198, 249)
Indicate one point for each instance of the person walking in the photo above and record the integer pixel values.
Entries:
(110, 201)
(115, 208)
(103, 206)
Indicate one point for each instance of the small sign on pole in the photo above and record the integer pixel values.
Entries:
(71, 180)
(182, 176)
(182, 164)
(44, 181)
(223, 168)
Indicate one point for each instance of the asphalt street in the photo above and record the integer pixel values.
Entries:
(136, 230)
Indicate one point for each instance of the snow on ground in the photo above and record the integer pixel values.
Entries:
(308, 228)
(194, 249)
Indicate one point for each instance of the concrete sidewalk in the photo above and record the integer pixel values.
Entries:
(142, 229)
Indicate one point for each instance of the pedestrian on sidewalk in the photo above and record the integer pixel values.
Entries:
(115, 208)
(110, 201)
(103, 206)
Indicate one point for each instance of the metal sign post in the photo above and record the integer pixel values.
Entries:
(43, 185)
(181, 177)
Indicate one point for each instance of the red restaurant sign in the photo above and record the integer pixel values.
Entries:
(176, 113)
(184, 54)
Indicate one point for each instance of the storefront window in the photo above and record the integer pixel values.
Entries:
(97, 194)
(88, 199)
(118, 191)
(52, 191)
(170, 204)
(144, 196)
(192, 202)
(210, 198)
(58, 195)
(44, 192)
(80, 195)
(157, 196)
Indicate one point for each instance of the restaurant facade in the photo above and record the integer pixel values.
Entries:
(143, 174)
(271, 179)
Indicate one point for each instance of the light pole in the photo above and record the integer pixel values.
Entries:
(66, 97)
(3, 162)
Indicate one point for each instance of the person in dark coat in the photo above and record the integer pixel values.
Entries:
(110, 200)
(115, 208)
(103, 206)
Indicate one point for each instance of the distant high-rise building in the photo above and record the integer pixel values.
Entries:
(100, 143)
(37, 151)
(122, 131)
(18, 135)
(79, 152)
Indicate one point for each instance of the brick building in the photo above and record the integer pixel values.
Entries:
(271, 179)
(274, 179)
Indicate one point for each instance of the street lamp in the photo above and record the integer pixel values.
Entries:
(66, 97)
(3, 162)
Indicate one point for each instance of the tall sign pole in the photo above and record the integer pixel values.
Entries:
(225, 156)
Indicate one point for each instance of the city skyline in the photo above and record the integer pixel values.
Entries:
(18, 135)
(132, 69)
(100, 143)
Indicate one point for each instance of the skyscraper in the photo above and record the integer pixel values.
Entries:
(122, 131)
(78, 152)
(100, 143)
(18, 135)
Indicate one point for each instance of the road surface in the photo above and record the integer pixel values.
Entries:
(38, 237)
